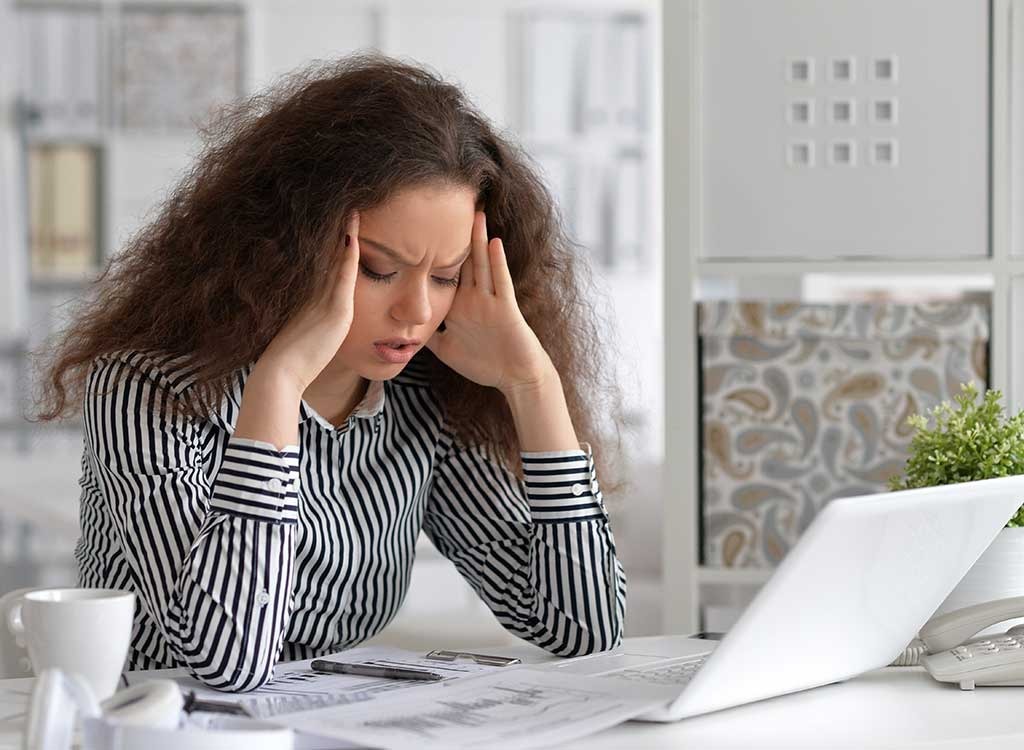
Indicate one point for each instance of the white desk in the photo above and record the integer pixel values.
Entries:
(888, 708)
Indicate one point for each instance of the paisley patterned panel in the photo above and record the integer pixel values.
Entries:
(802, 404)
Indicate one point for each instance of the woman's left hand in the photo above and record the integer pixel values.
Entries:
(486, 339)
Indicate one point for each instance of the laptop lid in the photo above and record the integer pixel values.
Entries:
(865, 576)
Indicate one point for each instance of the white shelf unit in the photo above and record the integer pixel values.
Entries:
(684, 580)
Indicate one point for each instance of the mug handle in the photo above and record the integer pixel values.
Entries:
(12, 614)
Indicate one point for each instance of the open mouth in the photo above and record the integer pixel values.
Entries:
(394, 352)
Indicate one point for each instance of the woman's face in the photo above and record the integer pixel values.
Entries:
(410, 252)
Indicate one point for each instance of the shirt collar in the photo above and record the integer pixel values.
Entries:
(371, 406)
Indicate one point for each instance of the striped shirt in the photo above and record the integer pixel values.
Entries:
(242, 555)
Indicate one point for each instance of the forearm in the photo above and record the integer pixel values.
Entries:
(541, 552)
(532, 574)
(560, 495)
(233, 616)
(227, 620)
(541, 416)
(534, 584)
(233, 600)
(270, 407)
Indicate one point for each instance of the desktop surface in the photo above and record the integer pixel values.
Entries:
(887, 708)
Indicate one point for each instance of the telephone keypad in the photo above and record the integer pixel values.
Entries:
(998, 660)
(986, 646)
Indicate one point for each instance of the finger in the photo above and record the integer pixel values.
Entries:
(481, 264)
(349, 271)
(466, 271)
(352, 233)
(503, 286)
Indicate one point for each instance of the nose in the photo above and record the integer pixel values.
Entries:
(413, 304)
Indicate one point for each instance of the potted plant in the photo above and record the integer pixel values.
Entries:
(973, 440)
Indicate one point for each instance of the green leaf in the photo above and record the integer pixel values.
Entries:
(969, 441)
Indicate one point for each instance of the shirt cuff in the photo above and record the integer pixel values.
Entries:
(562, 486)
(258, 481)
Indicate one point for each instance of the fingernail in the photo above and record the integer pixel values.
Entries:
(348, 240)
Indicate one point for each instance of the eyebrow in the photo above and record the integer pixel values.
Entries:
(397, 256)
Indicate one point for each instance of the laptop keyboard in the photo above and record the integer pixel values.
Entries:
(677, 673)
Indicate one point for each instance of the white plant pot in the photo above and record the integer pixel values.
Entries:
(998, 574)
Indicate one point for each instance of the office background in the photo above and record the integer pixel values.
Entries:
(803, 217)
(101, 104)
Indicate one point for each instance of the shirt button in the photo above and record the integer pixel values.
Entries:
(275, 484)
(577, 489)
(594, 486)
(263, 598)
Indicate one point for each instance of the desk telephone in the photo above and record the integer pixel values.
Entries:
(945, 646)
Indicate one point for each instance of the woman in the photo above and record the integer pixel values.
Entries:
(314, 352)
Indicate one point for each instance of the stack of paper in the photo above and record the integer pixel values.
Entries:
(296, 687)
(514, 707)
(517, 707)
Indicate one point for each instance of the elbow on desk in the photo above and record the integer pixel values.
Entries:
(226, 656)
(231, 670)
(232, 681)
(581, 641)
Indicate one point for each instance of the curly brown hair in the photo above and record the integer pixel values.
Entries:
(248, 236)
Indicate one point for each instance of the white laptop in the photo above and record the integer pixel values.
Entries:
(848, 598)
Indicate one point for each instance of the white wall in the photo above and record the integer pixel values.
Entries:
(286, 36)
(13, 263)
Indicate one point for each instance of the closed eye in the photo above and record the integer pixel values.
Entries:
(387, 278)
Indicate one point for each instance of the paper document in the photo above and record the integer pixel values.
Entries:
(511, 708)
(296, 687)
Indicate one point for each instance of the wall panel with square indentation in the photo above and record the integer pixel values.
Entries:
(844, 129)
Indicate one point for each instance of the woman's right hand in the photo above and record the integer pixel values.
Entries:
(309, 341)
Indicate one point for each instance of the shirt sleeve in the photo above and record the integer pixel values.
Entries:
(211, 560)
(539, 552)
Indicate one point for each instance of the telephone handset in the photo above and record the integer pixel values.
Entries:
(952, 655)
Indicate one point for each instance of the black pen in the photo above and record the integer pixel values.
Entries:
(374, 670)
(191, 703)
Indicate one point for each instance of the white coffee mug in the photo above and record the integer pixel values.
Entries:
(78, 631)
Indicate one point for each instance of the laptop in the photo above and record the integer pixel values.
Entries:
(852, 593)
